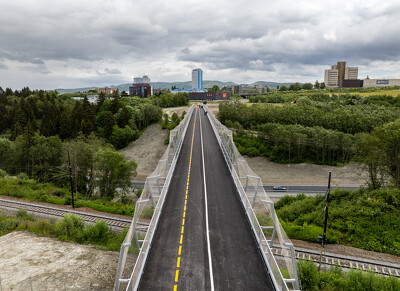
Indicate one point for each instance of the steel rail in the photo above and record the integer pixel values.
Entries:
(347, 262)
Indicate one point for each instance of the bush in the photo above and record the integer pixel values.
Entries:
(336, 279)
(23, 215)
(3, 173)
(97, 233)
(70, 227)
(354, 217)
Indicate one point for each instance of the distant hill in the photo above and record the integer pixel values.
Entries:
(179, 85)
(272, 85)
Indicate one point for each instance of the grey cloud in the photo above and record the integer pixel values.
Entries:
(42, 69)
(265, 36)
(3, 66)
(112, 71)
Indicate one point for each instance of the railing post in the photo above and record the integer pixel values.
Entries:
(120, 261)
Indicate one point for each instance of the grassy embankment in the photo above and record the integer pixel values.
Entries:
(44, 192)
(71, 228)
(364, 219)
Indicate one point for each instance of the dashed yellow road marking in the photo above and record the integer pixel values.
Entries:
(178, 262)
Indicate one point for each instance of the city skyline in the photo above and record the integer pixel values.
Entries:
(48, 45)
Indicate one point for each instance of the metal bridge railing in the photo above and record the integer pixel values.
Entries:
(148, 208)
(260, 212)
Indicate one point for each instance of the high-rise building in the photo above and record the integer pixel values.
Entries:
(141, 87)
(341, 67)
(351, 73)
(141, 80)
(197, 79)
(331, 78)
(335, 77)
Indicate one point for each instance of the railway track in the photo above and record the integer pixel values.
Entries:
(346, 262)
(48, 211)
(328, 259)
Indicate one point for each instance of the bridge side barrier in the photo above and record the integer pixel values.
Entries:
(260, 212)
(148, 208)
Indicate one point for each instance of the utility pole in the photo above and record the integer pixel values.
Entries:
(323, 238)
(70, 178)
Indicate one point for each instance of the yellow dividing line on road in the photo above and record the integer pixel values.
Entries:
(178, 261)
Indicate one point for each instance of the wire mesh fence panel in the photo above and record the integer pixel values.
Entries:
(260, 211)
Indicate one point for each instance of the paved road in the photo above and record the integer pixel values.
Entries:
(292, 189)
(183, 257)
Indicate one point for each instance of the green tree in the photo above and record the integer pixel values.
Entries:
(17, 131)
(214, 88)
(283, 88)
(295, 87)
(113, 172)
(109, 123)
(388, 136)
(369, 153)
(307, 86)
(316, 85)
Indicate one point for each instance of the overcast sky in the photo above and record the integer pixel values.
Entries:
(68, 43)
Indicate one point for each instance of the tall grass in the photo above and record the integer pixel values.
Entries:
(70, 228)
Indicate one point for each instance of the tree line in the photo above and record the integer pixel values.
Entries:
(39, 130)
(322, 129)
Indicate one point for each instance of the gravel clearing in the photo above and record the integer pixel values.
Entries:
(147, 150)
(305, 174)
(48, 264)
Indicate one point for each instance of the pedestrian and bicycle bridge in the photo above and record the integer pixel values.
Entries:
(210, 224)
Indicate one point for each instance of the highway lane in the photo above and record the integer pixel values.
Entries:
(180, 258)
(173, 240)
(291, 189)
(237, 261)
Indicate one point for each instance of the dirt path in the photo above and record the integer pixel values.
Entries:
(48, 264)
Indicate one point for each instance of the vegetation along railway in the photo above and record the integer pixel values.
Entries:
(114, 222)
(117, 223)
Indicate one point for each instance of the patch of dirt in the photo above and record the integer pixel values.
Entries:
(29, 262)
(347, 251)
(147, 150)
(298, 174)
(177, 110)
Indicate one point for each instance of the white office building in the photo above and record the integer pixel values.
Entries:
(331, 78)
(351, 73)
(197, 79)
(338, 74)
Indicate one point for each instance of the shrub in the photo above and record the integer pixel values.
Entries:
(336, 279)
(3, 173)
(97, 233)
(23, 215)
(70, 227)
